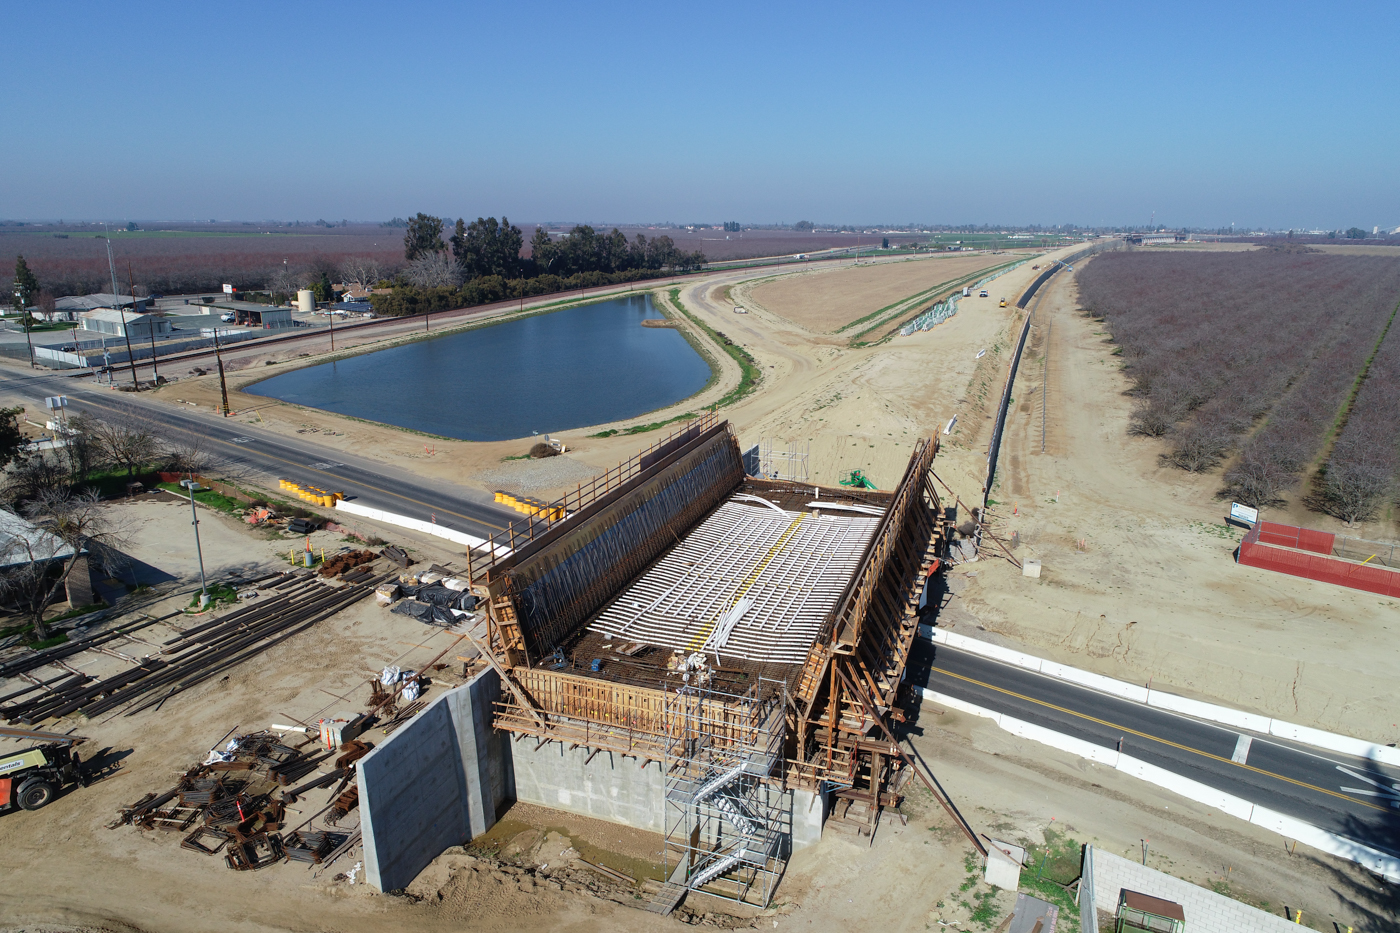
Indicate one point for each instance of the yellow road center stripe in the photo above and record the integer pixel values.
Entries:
(700, 637)
(1144, 735)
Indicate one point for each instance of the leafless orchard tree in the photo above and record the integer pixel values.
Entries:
(434, 270)
(360, 272)
(1199, 447)
(71, 527)
(283, 281)
(1360, 473)
(1257, 480)
(127, 441)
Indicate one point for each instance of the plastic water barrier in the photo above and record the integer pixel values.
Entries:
(948, 307)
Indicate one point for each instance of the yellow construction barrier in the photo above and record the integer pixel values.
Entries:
(312, 494)
(529, 506)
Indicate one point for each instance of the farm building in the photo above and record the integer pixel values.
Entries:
(251, 315)
(122, 323)
(81, 303)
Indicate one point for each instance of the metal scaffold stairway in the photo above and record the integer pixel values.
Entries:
(728, 815)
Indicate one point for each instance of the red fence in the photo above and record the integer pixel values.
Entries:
(1303, 552)
(1304, 539)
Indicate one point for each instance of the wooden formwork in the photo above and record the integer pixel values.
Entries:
(847, 689)
(617, 717)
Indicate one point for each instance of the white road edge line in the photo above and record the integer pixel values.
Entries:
(1210, 712)
(1386, 866)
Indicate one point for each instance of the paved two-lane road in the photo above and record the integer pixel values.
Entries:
(1352, 797)
(273, 455)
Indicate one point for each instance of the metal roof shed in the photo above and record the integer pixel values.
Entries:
(23, 542)
(119, 323)
(1143, 912)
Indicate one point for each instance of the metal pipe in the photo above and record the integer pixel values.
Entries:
(194, 520)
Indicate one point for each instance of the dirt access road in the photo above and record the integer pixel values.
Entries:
(864, 407)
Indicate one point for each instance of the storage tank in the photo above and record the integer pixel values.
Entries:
(306, 301)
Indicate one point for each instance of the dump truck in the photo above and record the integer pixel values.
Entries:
(32, 778)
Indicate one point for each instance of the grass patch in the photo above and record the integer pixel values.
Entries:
(220, 594)
(206, 497)
(79, 611)
(752, 375)
(1052, 892)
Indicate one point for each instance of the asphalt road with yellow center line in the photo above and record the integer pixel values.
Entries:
(1352, 797)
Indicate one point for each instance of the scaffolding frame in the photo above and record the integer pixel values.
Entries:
(728, 810)
(790, 464)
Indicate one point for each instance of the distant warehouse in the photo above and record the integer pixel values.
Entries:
(110, 322)
(254, 316)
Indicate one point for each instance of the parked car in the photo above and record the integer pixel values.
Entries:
(226, 318)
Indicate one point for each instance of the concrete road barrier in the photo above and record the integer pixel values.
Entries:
(1387, 866)
(417, 524)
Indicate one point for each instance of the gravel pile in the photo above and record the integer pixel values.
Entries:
(531, 476)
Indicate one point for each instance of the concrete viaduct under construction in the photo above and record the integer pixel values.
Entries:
(684, 648)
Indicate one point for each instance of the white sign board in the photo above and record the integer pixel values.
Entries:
(228, 289)
(1243, 513)
(56, 401)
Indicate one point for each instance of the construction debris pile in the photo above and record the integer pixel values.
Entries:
(236, 801)
(339, 564)
(433, 597)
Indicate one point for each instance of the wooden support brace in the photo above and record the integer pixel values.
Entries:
(508, 681)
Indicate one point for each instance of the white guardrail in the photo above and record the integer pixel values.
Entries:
(1210, 712)
(417, 524)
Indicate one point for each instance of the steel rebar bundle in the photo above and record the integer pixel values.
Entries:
(197, 654)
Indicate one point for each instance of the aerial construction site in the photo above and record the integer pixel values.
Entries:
(855, 628)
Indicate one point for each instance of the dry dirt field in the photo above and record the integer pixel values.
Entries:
(825, 299)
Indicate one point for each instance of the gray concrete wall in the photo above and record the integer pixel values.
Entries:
(436, 782)
(808, 816)
(1206, 911)
(611, 787)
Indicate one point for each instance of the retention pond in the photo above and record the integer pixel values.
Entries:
(549, 372)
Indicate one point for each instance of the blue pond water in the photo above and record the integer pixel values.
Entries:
(550, 372)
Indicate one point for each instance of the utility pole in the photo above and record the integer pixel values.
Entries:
(330, 316)
(150, 328)
(22, 299)
(223, 386)
(194, 516)
(116, 299)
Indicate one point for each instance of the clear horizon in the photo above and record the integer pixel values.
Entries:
(1202, 115)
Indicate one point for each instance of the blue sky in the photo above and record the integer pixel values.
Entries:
(1207, 113)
